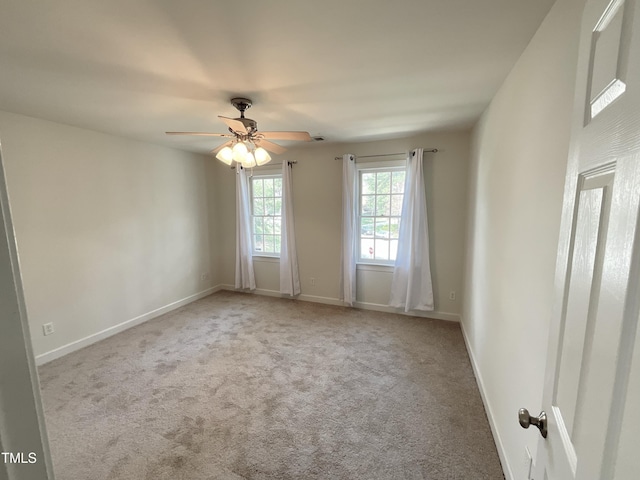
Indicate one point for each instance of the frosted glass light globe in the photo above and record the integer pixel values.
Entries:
(262, 156)
(239, 152)
(249, 161)
(225, 155)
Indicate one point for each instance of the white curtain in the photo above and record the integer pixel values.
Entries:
(289, 275)
(348, 261)
(411, 288)
(245, 277)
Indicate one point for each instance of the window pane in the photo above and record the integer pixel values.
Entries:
(366, 227)
(382, 229)
(382, 249)
(368, 205)
(269, 206)
(269, 243)
(381, 195)
(268, 225)
(396, 205)
(393, 250)
(398, 182)
(257, 243)
(366, 248)
(268, 187)
(382, 205)
(383, 182)
(368, 183)
(394, 228)
(257, 225)
(257, 187)
(258, 208)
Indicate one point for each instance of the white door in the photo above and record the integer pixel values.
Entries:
(23, 439)
(592, 381)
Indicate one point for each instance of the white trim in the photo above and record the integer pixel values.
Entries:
(275, 174)
(375, 261)
(374, 267)
(276, 293)
(323, 300)
(264, 258)
(389, 166)
(96, 337)
(268, 170)
(22, 420)
(108, 332)
(506, 468)
(451, 317)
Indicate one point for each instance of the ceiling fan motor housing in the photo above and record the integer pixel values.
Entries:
(243, 104)
(250, 124)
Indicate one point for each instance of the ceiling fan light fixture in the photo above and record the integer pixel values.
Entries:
(240, 152)
(262, 156)
(245, 138)
(225, 155)
(249, 160)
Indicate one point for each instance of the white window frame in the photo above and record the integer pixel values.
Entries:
(263, 175)
(384, 166)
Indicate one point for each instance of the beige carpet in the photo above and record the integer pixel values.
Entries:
(240, 386)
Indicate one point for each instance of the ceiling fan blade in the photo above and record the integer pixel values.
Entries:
(298, 136)
(220, 147)
(201, 134)
(233, 124)
(270, 146)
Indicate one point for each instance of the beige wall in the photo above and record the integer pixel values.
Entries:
(112, 231)
(317, 181)
(518, 163)
(108, 229)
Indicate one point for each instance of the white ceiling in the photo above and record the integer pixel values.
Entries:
(349, 70)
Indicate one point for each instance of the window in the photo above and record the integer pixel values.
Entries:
(380, 193)
(266, 212)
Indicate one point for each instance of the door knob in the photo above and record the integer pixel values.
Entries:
(540, 421)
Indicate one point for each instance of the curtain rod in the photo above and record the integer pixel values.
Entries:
(290, 162)
(432, 150)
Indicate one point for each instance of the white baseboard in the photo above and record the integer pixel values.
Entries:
(108, 332)
(506, 468)
(275, 293)
(452, 317)
(324, 300)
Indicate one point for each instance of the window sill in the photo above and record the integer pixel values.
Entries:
(266, 259)
(374, 267)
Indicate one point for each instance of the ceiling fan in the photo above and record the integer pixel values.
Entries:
(248, 146)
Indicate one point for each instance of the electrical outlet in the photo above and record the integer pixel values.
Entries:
(312, 281)
(47, 329)
(452, 295)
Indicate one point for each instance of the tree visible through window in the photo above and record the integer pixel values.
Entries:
(266, 205)
(381, 192)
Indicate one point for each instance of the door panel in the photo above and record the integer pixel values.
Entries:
(592, 380)
(575, 342)
(604, 398)
(626, 461)
(607, 63)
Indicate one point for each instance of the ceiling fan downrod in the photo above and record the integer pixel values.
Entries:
(241, 104)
